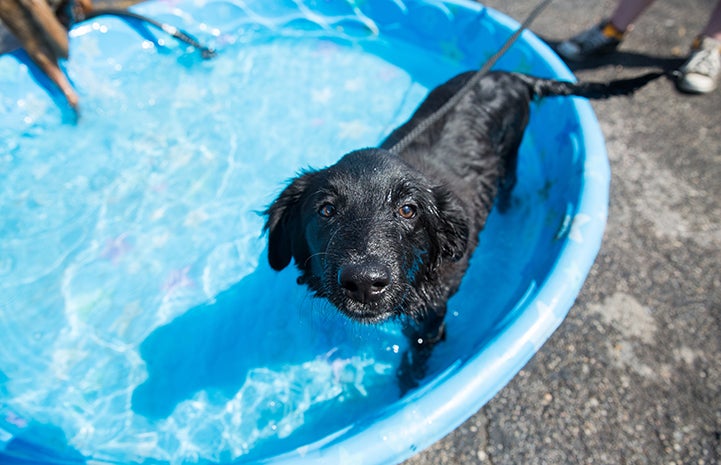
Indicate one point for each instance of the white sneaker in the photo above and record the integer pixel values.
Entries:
(702, 71)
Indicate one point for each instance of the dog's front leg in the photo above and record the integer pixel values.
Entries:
(422, 336)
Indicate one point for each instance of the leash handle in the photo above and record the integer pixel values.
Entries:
(423, 126)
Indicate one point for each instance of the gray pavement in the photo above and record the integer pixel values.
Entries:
(633, 375)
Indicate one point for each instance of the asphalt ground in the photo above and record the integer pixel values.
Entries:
(633, 375)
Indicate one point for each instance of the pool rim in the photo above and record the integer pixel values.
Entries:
(449, 399)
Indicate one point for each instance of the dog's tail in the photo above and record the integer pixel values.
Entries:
(591, 90)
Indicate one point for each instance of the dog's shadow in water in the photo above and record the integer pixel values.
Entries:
(264, 321)
(213, 345)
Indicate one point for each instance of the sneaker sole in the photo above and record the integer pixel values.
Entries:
(696, 87)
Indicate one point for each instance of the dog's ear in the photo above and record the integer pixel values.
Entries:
(286, 237)
(451, 229)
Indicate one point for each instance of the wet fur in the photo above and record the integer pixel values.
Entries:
(452, 175)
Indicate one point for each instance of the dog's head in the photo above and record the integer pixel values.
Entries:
(368, 233)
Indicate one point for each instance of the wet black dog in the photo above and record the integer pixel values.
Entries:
(382, 235)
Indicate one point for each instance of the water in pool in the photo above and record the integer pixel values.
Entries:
(139, 319)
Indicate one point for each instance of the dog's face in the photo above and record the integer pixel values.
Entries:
(368, 233)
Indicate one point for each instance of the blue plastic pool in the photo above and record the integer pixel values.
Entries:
(139, 320)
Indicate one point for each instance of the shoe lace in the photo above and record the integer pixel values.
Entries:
(705, 61)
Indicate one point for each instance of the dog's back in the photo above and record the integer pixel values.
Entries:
(473, 147)
(504, 97)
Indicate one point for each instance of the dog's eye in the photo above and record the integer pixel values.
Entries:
(407, 211)
(326, 210)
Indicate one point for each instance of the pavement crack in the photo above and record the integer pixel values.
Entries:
(484, 454)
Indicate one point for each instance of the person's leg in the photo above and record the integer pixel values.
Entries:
(627, 12)
(713, 27)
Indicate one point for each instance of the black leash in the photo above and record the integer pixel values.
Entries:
(451, 102)
(179, 34)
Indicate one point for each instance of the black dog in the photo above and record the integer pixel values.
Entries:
(382, 235)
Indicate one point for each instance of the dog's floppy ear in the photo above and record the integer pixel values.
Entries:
(286, 237)
(451, 229)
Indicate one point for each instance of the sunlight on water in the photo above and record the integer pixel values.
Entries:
(139, 316)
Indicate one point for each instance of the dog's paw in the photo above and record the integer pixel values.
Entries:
(409, 373)
(504, 201)
(414, 364)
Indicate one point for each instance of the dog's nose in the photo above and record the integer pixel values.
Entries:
(364, 282)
